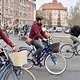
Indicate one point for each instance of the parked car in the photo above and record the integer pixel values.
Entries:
(58, 29)
(51, 30)
(67, 31)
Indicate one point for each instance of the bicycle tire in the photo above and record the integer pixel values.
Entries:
(66, 51)
(52, 64)
(22, 74)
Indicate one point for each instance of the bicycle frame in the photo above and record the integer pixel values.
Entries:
(46, 51)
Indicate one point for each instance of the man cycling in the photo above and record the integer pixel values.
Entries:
(75, 32)
(4, 37)
(35, 34)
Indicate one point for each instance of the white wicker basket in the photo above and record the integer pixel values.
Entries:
(19, 58)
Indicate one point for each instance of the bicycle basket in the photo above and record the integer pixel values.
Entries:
(19, 58)
(55, 47)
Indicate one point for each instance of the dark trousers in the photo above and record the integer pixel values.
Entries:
(39, 48)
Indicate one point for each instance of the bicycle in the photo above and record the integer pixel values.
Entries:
(54, 62)
(69, 51)
(9, 71)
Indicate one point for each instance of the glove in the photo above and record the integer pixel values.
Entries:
(14, 50)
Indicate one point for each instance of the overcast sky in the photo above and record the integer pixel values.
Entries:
(66, 3)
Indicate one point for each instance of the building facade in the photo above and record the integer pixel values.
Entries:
(58, 13)
(22, 10)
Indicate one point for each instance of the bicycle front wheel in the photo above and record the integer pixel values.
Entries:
(67, 51)
(55, 63)
(20, 74)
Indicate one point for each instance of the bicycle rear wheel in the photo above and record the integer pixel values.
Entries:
(21, 74)
(55, 63)
(67, 51)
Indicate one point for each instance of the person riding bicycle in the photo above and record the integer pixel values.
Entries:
(16, 30)
(36, 33)
(4, 37)
(75, 32)
(26, 28)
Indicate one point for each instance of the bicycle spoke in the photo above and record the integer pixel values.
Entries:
(67, 51)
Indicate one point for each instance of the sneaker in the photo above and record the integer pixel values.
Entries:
(41, 65)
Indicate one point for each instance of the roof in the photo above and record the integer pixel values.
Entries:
(53, 6)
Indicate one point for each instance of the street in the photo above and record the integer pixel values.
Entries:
(72, 71)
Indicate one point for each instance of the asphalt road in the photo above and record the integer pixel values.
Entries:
(72, 71)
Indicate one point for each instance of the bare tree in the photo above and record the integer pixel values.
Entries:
(75, 14)
(49, 21)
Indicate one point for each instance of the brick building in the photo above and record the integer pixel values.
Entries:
(22, 10)
(59, 13)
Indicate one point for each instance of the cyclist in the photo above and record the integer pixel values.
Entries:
(4, 37)
(26, 28)
(75, 32)
(16, 30)
(35, 34)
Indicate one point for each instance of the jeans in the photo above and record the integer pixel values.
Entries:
(39, 48)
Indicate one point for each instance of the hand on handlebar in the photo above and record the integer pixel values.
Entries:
(14, 50)
(45, 40)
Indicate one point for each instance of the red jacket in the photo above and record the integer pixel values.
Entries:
(4, 37)
(36, 32)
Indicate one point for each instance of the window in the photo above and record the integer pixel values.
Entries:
(6, 11)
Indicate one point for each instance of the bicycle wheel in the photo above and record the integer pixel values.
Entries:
(21, 74)
(67, 51)
(30, 63)
(55, 63)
